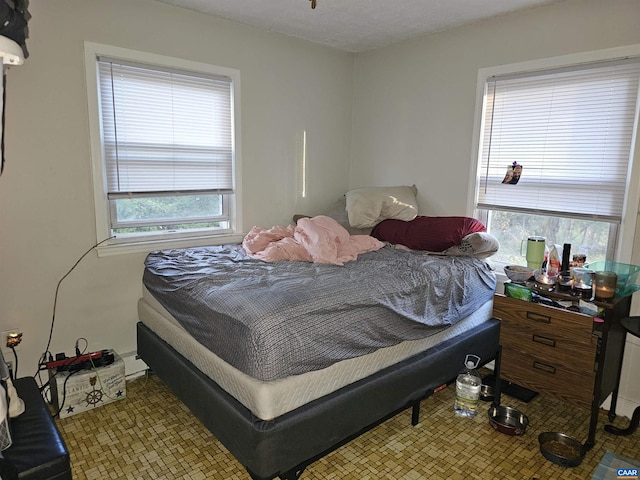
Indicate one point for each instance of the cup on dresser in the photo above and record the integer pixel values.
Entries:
(535, 251)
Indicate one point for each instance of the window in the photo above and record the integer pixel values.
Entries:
(166, 160)
(555, 157)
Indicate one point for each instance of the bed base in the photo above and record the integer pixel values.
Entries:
(285, 446)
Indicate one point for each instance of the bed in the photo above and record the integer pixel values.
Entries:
(286, 361)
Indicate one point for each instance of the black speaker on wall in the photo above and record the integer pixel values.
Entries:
(14, 19)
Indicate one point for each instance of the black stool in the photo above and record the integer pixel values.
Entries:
(38, 451)
(631, 325)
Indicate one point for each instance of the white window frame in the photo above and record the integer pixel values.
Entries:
(101, 203)
(626, 230)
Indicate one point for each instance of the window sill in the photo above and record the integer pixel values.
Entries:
(501, 277)
(146, 246)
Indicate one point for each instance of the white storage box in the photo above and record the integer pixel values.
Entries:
(86, 389)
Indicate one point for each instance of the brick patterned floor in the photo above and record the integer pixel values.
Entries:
(151, 435)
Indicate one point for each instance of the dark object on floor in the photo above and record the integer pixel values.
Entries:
(38, 451)
(511, 389)
(487, 393)
(633, 425)
(561, 449)
(631, 325)
(507, 420)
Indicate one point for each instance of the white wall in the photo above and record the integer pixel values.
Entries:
(412, 123)
(46, 211)
(415, 101)
(415, 104)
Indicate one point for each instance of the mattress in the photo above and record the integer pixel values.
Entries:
(270, 399)
(273, 320)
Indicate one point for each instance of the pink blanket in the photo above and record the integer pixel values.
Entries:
(319, 239)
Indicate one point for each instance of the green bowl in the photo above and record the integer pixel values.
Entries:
(628, 275)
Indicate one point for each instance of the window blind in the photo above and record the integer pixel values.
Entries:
(165, 130)
(571, 131)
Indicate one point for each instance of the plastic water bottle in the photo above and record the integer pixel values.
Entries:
(468, 386)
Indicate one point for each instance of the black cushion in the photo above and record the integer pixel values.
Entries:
(38, 451)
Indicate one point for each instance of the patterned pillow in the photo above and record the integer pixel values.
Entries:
(478, 244)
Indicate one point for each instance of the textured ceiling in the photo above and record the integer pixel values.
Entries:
(356, 25)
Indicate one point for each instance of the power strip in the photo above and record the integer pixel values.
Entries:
(98, 359)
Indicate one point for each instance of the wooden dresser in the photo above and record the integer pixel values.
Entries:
(555, 351)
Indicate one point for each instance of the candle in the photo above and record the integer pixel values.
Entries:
(545, 280)
(582, 282)
(603, 292)
(565, 281)
(606, 283)
(582, 289)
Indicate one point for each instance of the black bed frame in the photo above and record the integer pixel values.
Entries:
(285, 446)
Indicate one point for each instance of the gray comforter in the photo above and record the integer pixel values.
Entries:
(272, 320)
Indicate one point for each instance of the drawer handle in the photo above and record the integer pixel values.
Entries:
(536, 317)
(544, 340)
(544, 367)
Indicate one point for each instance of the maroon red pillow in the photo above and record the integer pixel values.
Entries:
(434, 234)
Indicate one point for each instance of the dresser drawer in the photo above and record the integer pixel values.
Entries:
(555, 336)
(561, 353)
(546, 349)
(556, 346)
(574, 327)
(544, 376)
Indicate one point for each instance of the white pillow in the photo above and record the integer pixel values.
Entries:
(338, 211)
(367, 207)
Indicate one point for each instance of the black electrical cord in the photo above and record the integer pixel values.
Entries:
(86, 346)
(2, 120)
(64, 393)
(43, 358)
(14, 374)
(94, 366)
